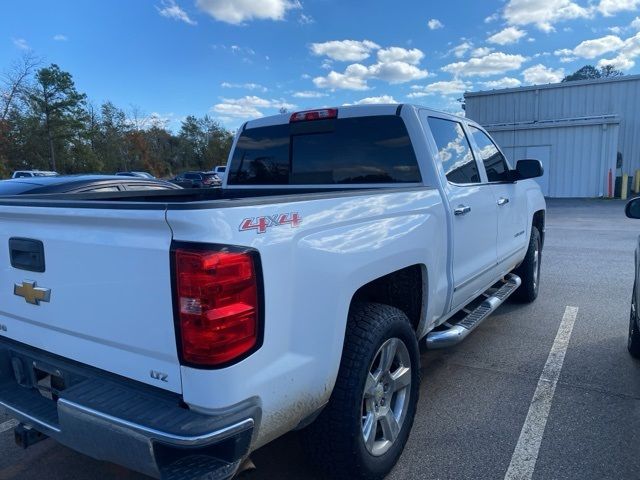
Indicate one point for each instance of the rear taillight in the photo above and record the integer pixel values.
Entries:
(217, 304)
(308, 115)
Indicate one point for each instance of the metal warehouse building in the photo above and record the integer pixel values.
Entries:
(579, 130)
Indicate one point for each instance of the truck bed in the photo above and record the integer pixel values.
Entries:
(196, 198)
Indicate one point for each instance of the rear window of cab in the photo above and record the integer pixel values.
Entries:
(358, 150)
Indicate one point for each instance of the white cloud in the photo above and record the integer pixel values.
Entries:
(305, 19)
(353, 78)
(242, 50)
(356, 75)
(451, 87)
(609, 8)
(563, 51)
(460, 50)
(568, 59)
(60, 38)
(594, 48)
(248, 106)
(626, 55)
(620, 62)
(492, 18)
(345, 50)
(626, 51)
(636, 23)
(543, 13)
(394, 65)
(434, 24)
(539, 74)
(396, 72)
(309, 94)
(398, 54)
(247, 86)
(481, 51)
(493, 64)
(377, 100)
(170, 9)
(239, 11)
(505, 82)
(159, 120)
(21, 43)
(507, 36)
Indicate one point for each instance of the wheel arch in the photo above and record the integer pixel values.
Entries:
(405, 289)
(538, 221)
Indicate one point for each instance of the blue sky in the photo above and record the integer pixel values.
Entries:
(239, 59)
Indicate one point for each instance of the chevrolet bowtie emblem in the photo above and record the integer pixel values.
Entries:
(32, 294)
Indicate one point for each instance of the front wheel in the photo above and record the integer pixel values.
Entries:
(529, 270)
(364, 428)
(633, 342)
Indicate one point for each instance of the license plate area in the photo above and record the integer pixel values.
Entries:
(47, 379)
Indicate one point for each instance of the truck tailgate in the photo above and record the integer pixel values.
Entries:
(107, 272)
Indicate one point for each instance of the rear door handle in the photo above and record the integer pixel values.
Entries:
(462, 210)
(503, 201)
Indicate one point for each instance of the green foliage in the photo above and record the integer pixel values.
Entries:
(53, 126)
(589, 72)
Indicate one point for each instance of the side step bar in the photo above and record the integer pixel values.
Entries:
(458, 332)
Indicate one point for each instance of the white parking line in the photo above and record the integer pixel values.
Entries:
(525, 455)
(8, 425)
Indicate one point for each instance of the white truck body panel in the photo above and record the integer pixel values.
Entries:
(310, 275)
(111, 304)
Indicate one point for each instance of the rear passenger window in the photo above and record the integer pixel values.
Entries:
(454, 151)
(494, 162)
(375, 149)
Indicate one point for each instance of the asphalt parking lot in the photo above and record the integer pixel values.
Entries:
(476, 397)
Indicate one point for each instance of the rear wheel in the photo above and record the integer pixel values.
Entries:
(364, 428)
(529, 270)
(633, 343)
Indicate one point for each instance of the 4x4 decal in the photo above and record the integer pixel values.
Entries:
(261, 224)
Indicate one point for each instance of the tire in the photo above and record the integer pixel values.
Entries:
(367, 395)
(633, 343)
(529, 270)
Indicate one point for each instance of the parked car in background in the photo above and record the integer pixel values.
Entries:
(221, 171)
(80, 184)
(135, 174)
(197, 180)
(33, 173)
(633, 342)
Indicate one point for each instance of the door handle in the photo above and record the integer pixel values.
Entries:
(503, 201)
(462, 210)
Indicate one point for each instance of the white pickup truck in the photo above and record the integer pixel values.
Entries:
(174, 332)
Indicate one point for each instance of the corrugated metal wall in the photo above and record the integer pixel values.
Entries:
(579, 156)
(580, 103)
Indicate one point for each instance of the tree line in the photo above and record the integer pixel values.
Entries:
(589, 72)
(46, 124)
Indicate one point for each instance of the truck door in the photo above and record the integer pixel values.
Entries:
(509, 197)
(473, 211)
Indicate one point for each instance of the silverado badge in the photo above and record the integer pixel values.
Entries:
(31, 293)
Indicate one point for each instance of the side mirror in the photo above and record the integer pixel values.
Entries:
(632, 210)
(528, 169)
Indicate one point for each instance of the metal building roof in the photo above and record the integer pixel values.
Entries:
(623, 78)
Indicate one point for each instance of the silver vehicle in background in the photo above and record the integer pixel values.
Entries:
(33, 173)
